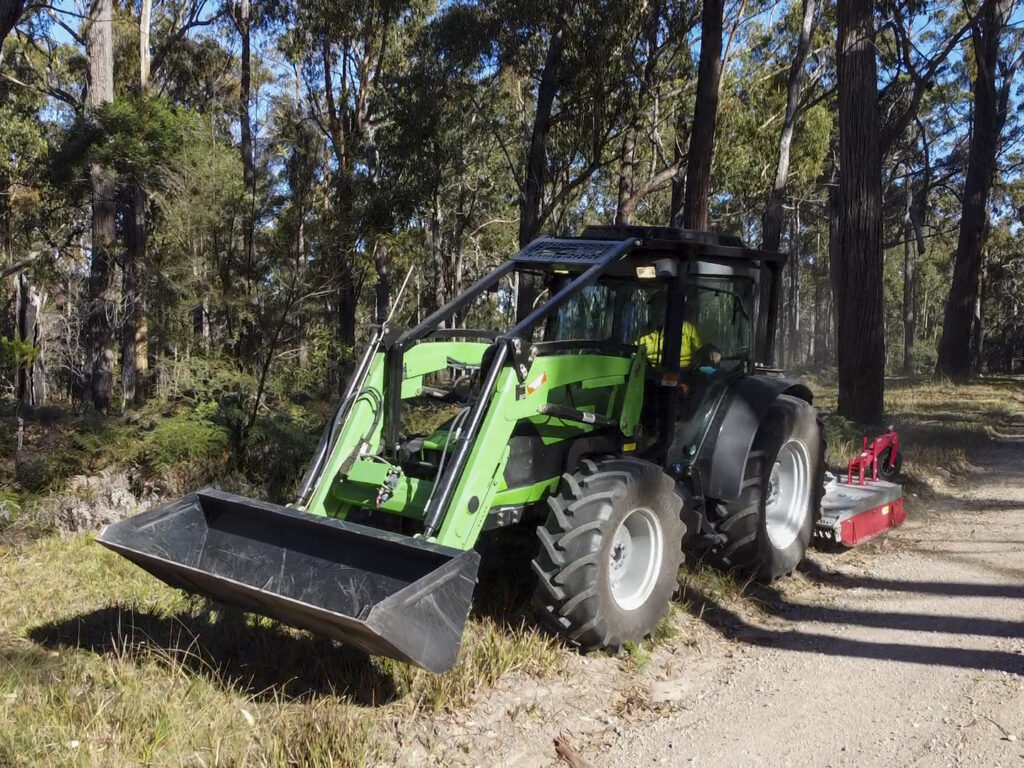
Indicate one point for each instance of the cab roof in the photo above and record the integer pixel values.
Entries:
(596, 243)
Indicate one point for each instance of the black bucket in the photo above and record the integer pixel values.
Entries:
(388, 594)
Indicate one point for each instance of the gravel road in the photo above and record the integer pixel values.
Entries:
(913, 656)
(908, 651)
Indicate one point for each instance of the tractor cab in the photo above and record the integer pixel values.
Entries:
(696, 304)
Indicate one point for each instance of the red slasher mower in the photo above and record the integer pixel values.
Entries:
(867, 502)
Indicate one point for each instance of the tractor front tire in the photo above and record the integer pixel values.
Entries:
(609, 554)
(768, 528)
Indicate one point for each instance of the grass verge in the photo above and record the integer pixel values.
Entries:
(940, 424)
(102, 665)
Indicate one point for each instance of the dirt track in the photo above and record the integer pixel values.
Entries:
(909, 651)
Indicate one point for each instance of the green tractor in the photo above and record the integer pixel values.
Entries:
(629, 415)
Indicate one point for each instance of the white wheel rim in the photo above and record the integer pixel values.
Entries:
(634, 559)
(788, 494)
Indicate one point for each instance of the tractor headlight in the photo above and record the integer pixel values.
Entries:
(646, 272)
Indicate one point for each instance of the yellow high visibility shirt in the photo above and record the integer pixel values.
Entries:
(652, 342)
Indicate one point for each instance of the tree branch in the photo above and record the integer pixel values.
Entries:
(18, 266)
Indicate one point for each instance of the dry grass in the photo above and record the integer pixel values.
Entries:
(700, 578)
(940, 423)
(102, 665)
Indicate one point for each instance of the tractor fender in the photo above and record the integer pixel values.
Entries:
(723, 453)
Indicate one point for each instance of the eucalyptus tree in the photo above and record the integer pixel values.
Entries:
(915, 46)
(658, 78)
(346, 54)
(858, 269)
(447, 171)
(997, 54)
(771, 227)
(565, 64)
(100, 329)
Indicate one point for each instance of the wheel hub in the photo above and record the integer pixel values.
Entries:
(788, 494)
(634, 558)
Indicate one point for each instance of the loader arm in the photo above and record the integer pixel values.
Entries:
(392, 594)
(353, 481)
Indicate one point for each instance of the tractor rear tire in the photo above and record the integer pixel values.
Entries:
(609, 554)
(768, 528)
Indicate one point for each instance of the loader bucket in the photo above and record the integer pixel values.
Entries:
(388, 594)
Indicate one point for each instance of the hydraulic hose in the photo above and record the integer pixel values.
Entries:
(447, 481)
(323, 449)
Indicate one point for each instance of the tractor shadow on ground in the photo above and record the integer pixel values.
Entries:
(505, 581)
(268, 661)
(237, 651)
(734, 625)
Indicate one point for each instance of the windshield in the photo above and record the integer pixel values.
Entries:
(725, 305)
(717, 311)
(616, 311)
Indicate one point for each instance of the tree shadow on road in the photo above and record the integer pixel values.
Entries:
(773, 602)
(820, 575)
(734, 625)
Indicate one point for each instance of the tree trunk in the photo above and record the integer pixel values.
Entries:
(782, 332)
(675, 218)
(28, 308)
(978, 327)
(858, 295)
(10, 14)
(134, 330)
(381, 263)
(989, 116)
(301, 262)
(346, 306)
(145, 18)
(623, 209)
(129, 292)
(531, 195)
(917, 211)
(100, 322)
(816, 331)
(794, 292)
(242, 22)
(630, 193)
(344, 130)
(439, 296)
(771, 228)
(832, 328)
(705, 116)
(908, 299)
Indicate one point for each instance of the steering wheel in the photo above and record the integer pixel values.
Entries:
(708, 355)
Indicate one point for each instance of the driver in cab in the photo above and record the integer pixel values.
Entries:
(691, 347)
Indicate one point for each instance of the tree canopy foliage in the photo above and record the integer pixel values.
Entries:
(262, 175)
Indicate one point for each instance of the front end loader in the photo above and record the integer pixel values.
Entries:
(626, 416)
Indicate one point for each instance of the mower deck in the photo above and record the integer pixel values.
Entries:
(852, 513)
